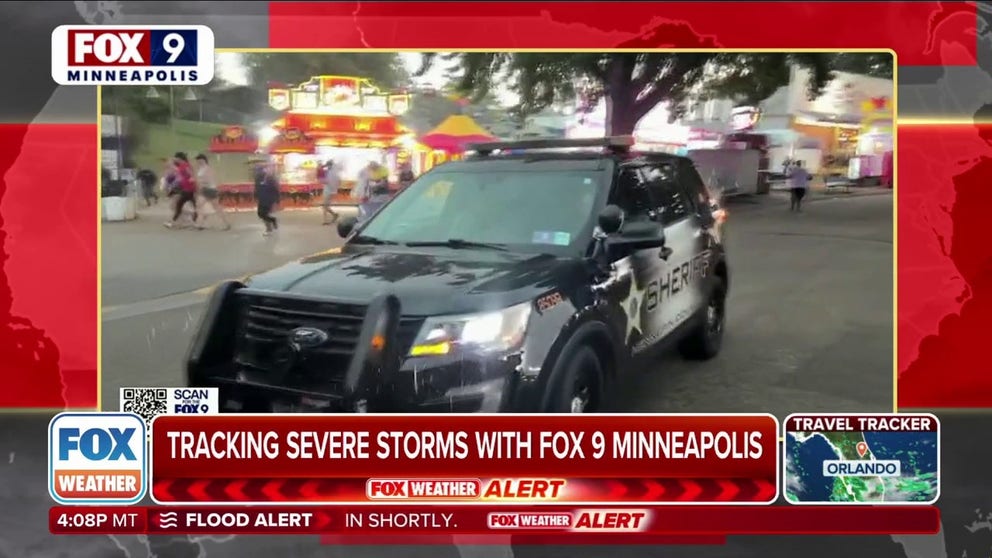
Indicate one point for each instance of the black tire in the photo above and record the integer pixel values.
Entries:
(577, 387)
(706, 339)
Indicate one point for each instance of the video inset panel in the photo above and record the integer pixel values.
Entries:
(499, 232)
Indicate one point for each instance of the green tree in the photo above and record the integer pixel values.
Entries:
(865, 63)
(383, 68)
(631, 83)
(134, 102)
(138, 110)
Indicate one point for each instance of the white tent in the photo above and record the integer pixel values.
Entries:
(654, 128)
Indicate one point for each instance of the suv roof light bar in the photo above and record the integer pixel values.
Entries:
(614, 144)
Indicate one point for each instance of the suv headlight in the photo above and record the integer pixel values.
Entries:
(501, 330)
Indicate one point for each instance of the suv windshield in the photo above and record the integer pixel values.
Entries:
(524, 208)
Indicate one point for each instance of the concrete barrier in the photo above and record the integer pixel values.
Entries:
(118, 208)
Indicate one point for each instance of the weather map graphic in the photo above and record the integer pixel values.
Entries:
(869, 459)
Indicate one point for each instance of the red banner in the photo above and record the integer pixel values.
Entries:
(344, 124)
(292, 140)
(465, 458)
(340, 92)
(234, 139)
(566, 522)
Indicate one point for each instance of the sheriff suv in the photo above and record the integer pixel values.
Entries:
(527, 277)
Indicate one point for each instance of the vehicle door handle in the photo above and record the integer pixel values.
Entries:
(665, 253)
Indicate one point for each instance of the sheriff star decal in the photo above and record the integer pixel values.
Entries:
(631, 306)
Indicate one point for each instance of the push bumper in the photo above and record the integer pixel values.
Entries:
(379, 379)
(417, 387)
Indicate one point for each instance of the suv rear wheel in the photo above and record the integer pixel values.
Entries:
(706, 339)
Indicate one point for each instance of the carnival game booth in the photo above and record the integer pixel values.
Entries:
(448, 142)
(232, 149)
(346, 120)
(294, 154)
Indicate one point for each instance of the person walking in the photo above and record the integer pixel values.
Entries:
(209, 195)
(186, 182)
(406, 176)
(267, 195)
(360, 190)
(799, 184)
(332, 182)
(374, 184)
(170, 183)
(148, 181)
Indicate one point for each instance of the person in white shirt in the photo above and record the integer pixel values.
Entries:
(799, 185)
(209, 194)
(332, 182)
(360, 191)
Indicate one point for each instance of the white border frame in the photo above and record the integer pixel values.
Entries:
(776, 445)
(785, 440)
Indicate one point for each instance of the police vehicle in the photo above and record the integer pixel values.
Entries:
(527, 277)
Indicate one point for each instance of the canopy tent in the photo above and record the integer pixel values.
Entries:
(455, 134)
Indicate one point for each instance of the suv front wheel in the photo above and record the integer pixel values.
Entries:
(706, 339)
(577, 386)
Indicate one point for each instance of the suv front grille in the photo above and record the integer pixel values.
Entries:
(266, 322)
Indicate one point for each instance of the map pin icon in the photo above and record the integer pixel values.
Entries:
(862, 448)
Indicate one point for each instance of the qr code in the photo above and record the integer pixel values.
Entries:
(147, 403)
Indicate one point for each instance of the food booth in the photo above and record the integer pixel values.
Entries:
(740, 164)
(873, 156)
(448, 141)
(347, 120)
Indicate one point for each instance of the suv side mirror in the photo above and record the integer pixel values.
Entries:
(621, 237)
(346, 225)
(638, 235)
(611, 219)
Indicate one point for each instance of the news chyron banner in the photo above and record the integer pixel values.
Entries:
(541, 524)
(464, 459)
(862, 459)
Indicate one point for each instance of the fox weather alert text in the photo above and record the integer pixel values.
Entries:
(132, 55)
(97, 458)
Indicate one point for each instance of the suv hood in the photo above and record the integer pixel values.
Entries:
(427, 281)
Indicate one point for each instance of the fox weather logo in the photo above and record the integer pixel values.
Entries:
(132, 55)
(97, 458)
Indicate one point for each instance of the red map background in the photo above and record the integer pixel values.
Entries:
(945, 277)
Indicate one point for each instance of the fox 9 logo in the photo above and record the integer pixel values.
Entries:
(193, 401)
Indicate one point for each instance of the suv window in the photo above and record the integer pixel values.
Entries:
(631, 195)
(695, 185)
(665, 188)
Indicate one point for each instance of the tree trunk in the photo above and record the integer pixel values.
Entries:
(621, 117)
(621, 106)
